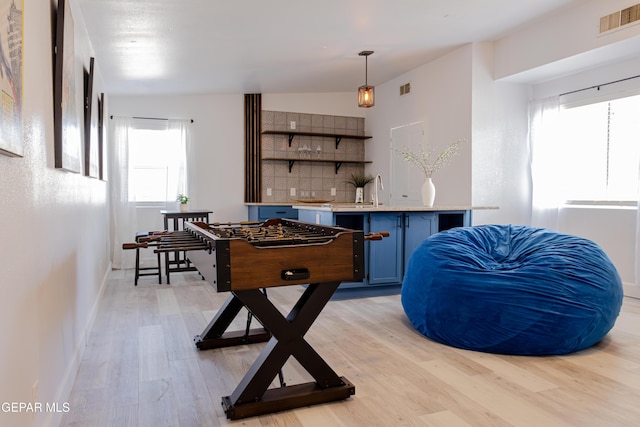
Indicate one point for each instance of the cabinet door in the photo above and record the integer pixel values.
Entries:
(316, 217)
(417, 227)
(385, 256)
(268, 212)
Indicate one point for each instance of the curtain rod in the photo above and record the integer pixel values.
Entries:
(153, 118)
(598, 86)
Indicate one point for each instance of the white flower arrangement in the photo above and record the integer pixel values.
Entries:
(425, 159)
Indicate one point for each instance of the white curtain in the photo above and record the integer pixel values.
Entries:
(123, 212)
(178, 173)
(546, 162)
(123, 206)
(637, 257)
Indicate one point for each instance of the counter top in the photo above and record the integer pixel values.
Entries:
(362, 207)
(268, 203)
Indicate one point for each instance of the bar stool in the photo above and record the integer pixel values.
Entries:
(177, 261)
(157, 269)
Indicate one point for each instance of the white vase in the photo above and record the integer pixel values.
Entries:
(428, 193)
(184, 207)
(360, 195)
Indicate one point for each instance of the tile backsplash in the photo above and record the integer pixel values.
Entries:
(313, 173)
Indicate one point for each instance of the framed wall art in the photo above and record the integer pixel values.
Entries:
(91, 146)
(12, 53)
(102, 171)
(66, 112)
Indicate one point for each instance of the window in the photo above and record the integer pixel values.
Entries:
(600, 146)
(156, 162)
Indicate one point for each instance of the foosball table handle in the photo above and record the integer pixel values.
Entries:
(135, 245)
(379, 235)
(295, 274)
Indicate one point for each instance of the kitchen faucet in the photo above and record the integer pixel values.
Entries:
(375, 183)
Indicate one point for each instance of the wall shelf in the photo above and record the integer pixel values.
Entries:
(291, 134)
(338, 163)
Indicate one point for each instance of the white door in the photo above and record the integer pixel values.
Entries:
(406, 180)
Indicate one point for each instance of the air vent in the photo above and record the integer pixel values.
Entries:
(620, 18)
(629, 15)
(405, 88)
(609, 22)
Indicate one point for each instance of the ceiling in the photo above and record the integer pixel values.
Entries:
(280, 46)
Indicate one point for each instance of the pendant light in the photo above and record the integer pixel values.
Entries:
(366, 92)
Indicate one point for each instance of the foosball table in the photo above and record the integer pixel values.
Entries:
(246, 259)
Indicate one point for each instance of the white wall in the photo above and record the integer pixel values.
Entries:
(215, 153)
(54, 247)
(564, 40)
(440, 97)
(334, 104)
(501, 175)
(613, 228)
(606, 72)
(456, 97)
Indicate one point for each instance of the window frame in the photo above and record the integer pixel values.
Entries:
(160, 125)
(604, 94)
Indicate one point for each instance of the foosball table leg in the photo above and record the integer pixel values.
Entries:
(252, 396)
(215, 335)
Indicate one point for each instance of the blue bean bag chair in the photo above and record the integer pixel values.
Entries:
(511, 290)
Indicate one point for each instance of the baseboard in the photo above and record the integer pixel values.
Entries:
(365, 292)
(631, 290)
(64, 391)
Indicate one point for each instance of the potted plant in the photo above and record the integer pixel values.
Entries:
(183, 200)
(429, 163)
(359, 181)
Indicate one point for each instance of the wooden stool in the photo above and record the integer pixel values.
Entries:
(157, 269)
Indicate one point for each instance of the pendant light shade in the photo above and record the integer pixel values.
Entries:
(366, 93)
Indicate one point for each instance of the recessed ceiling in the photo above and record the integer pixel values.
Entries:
(280, 46)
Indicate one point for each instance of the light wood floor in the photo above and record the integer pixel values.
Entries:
(142, 369)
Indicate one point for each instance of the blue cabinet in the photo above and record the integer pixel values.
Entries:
(385, 260)
(265, 212)
(417, 227)
(388, 258)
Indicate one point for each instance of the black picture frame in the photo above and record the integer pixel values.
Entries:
(101, 145)
(91, 146)
(67, 132)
